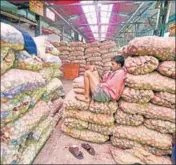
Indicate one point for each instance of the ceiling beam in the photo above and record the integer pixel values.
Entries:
(123, 14)
(66, 21)
(97, 9)
(110, 24)
(96, 24)
(88, 4)
(134, 15)
(60, 16)
(140, 6)
(72, 24)
(96, 32)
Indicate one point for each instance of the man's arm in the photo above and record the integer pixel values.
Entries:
(115, 85)
(105, 77)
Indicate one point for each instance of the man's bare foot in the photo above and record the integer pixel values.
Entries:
(83, 98)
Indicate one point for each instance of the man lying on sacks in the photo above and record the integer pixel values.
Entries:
(110, 87)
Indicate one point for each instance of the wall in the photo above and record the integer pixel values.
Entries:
(54, 38)
(25, 27)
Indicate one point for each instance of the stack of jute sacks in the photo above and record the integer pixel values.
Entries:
(87, 121)
(108, 50)
(145, 119)
(51, 67)
(93, 56)
(76, 55)
(64, 48)
(30, 95)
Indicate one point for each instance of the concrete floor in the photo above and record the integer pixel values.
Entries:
(56, 151)
(67, 84)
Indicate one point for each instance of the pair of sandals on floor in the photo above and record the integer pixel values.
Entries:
(78, 154)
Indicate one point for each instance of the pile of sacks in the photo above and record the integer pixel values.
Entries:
(93, 56)
(87, 121)
(76, 55)
(72, 53)
(64, 48)
(100, 55)
(108, 50)
(96, 53)
(145, 119)
(30, 96)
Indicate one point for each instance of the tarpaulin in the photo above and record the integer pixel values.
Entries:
(29, 43)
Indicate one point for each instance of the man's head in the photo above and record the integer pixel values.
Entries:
(117, 62)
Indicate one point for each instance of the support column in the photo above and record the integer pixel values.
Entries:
(38, 28)
(62, 34)
(76, 38)
(162, 17)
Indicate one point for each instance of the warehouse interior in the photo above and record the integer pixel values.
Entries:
(48, 50)
(113, 20)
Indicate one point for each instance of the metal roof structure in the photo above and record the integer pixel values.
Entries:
(99, 20)
(104, 20)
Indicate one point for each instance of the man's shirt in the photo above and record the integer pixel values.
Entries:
(114, 82)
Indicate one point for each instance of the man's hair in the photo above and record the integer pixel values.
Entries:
(118, 60)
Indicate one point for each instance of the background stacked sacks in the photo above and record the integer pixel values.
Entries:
(108, 50)
(64, 48)
(24, 83)
(93, 56)
(47, 52)
(146, 114)
(77, 55)
(87, 121)
(51, 72)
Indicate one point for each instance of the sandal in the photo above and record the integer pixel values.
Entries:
(88, 148)
(76, 153)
